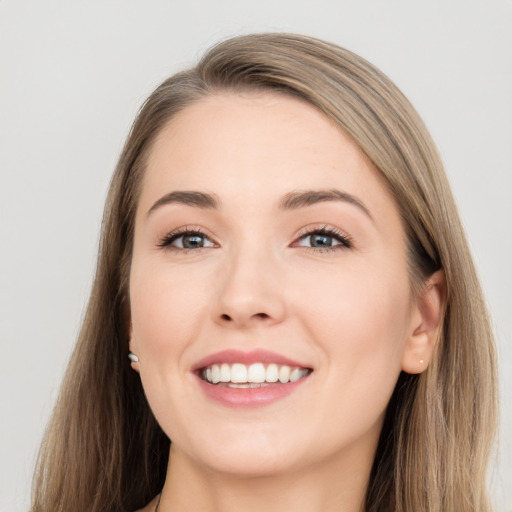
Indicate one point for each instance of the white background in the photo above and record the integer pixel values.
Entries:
(72, 76)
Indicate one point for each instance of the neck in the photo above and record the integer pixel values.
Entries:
(338, 485)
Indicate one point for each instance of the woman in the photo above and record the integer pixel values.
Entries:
(285, 292)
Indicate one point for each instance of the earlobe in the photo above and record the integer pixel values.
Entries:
(134, 361)
(426, 325)
(132, 356)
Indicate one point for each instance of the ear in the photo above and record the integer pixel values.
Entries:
(425, 325)
(132, 346)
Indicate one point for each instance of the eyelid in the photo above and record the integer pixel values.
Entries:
(166, 240)
(344, 239)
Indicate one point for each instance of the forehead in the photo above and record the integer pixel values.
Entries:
(257, 145)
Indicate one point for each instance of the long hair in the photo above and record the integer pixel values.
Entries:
(103, 449)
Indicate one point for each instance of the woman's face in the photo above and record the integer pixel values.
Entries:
(266, 248)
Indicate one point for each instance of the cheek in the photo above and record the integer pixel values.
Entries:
(355, 301)
(358, 319)
(167, 311)
(166, 308)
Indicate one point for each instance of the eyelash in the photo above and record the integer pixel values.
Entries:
(344, 240)
(168, 239)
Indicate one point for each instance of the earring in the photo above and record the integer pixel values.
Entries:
(133, 358)
(421, 361)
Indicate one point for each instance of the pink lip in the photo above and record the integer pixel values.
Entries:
(247, 397)
(231, 356)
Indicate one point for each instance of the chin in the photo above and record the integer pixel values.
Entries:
(245, 456)
(248, 465)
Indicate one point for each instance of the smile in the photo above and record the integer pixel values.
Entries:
(256, 375)
(240, 379)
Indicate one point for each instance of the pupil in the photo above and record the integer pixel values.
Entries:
(321, 240)
(192, 241)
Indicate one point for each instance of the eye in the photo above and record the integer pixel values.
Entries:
(324, 239)
(186, 239)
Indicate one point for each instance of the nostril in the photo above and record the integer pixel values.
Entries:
(263, 316)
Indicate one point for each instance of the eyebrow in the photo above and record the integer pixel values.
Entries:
(290, 201)
(296, 200)
(189, 198)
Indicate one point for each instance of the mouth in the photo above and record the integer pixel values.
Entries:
(249, 379)
(256, 375)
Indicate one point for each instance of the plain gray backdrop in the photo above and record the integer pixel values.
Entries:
(74, 73)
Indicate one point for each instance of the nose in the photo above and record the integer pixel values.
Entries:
(250, 293)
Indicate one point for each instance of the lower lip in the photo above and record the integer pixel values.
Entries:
(249, 397)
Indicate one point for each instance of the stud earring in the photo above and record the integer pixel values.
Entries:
(421, 361)
(133, 358)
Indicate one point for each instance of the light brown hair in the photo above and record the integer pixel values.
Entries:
(103, 449)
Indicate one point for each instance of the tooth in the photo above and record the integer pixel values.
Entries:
(284, 374)
(295, 375)
(256, 373)
(238, 373)
(225, 373)
(215, 373)
(272, 373)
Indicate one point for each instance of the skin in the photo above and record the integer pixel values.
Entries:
(347, 313)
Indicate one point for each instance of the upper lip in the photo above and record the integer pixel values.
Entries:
(231, 356)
